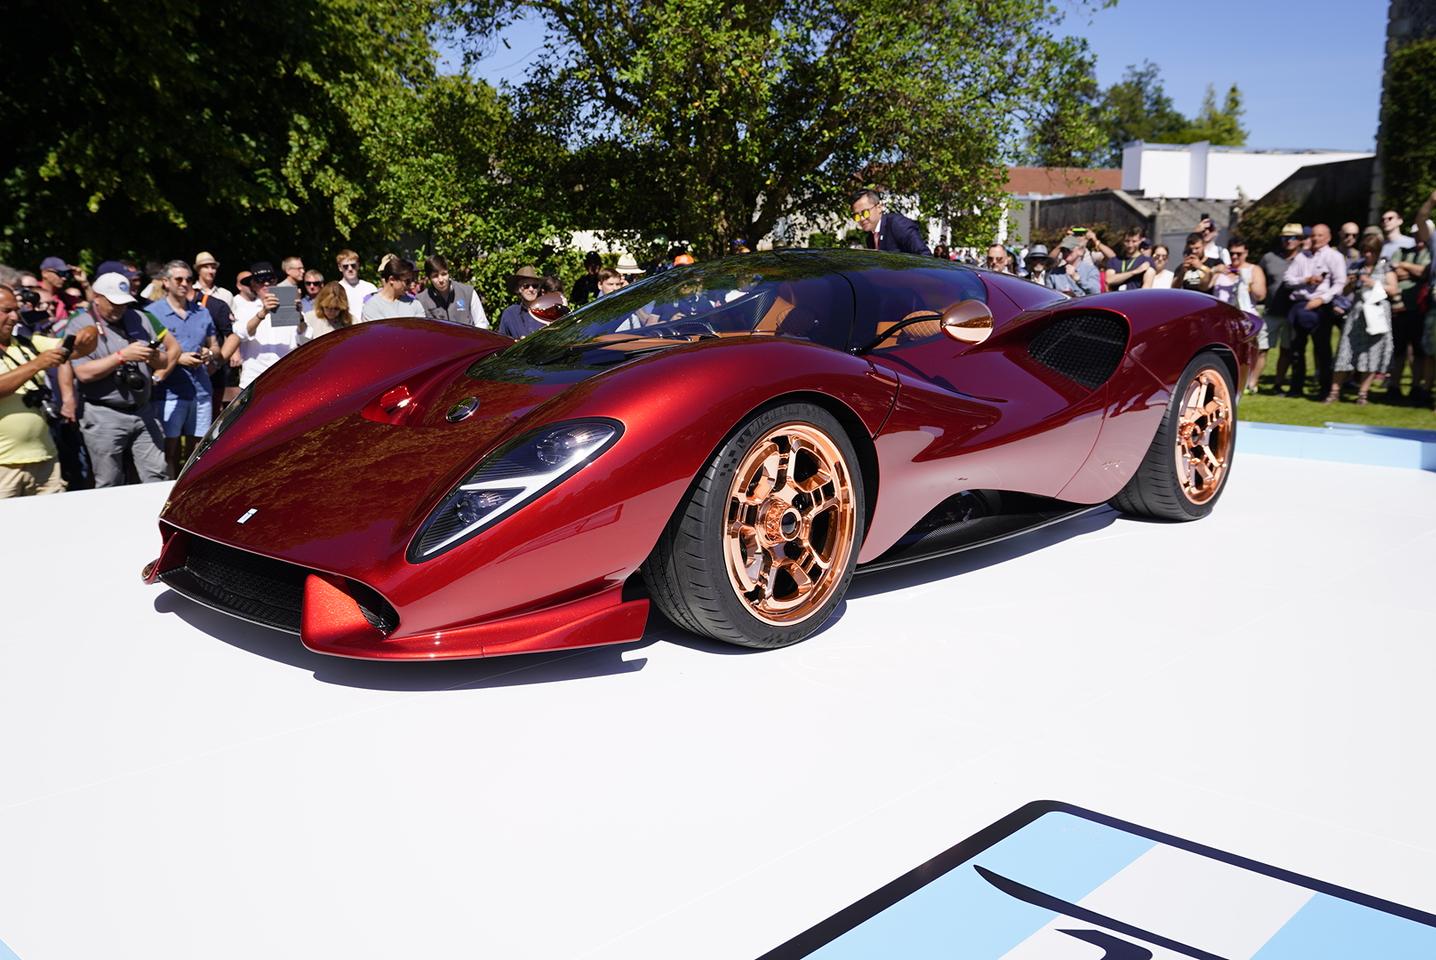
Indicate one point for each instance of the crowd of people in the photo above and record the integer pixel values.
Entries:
(1362, 298)
(114, 380)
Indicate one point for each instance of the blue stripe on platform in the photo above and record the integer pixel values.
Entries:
(961, 914)
(1344, 442)
(6, 953)
(1327, 928)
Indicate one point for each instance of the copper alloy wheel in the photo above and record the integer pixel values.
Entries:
(1204, 436)
(788, 527)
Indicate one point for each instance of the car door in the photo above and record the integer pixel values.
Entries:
(968, 416)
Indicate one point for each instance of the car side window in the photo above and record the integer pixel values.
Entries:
(887, 297)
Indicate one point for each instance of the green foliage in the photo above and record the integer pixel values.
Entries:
(151, 126)
(707, 119)
(1073, 137)
(1408, 148)
(1261, 223)
(1137, 108)
(461, 179)
(1222, 126)
(824, 240)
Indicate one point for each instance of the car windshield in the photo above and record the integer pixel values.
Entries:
(800, 297)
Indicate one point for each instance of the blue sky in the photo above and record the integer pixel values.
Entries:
(1322, 57)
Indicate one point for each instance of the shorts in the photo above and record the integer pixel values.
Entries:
(185, 418)
(30, 479)
(1275, 331)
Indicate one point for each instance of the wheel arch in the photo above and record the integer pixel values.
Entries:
(1229, 358)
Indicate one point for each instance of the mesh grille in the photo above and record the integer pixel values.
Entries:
(1085, 347)
(256, 588)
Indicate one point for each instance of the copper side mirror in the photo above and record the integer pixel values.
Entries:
(967, 321)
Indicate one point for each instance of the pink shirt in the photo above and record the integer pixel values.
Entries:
(1308, 263)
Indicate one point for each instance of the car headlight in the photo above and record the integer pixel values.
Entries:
(221, 424)
(510, 477)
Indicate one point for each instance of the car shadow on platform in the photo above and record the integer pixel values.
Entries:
(568, 665)
(436, 675)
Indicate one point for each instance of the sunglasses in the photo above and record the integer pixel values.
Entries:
(182, 279)
(353, 265)
(528, 286)
(863, 215)
(314, 283)
(1344, 236)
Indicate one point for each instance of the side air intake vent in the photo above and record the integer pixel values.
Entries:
(1085, 347)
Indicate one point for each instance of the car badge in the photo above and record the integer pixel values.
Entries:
(247, 514)
(462, 410)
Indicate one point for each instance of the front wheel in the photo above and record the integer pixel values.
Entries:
(764, 547)
(1187, 465)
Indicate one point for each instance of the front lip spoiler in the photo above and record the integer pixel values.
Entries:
(331, 620)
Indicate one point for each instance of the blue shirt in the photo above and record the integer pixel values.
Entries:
(1087, 281)
(191, 332)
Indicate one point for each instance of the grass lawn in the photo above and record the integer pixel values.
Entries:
(1308, 411)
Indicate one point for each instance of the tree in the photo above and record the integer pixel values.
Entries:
(706, 119)
(454, 174)
(1138, 108)
(1075, 137)
(1407, 149)
(1221, 126)
(162, 126)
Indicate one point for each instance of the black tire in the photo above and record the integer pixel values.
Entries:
(1156, 489)
(688, 574)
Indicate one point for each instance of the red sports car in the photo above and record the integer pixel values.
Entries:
(730, 441)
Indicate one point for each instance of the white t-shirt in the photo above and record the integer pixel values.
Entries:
(1163, 280)
(356, 294)
(1215, 251)
(265, 347)
(377, 308)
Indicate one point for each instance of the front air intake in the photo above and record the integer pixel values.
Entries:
(1083, 347)
(260, 589)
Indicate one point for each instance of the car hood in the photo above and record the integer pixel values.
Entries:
(318, 471)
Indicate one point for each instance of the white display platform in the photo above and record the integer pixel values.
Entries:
(178, 784)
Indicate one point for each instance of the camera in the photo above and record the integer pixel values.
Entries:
(42, 399)
(132, 378)
(30, 297)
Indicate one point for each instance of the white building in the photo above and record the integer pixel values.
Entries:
(1214, 173)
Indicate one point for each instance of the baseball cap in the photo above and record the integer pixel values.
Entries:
(1292, 230)
(201, 259)
(114, 287)
(1072, 243)
(55, 263)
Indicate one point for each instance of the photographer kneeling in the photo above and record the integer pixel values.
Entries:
(28, 463)
(115, 381)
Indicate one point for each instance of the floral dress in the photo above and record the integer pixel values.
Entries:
(1359, 350)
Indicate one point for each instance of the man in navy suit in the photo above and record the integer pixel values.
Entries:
(887, 231)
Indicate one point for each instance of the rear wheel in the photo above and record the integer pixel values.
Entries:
(764, 547)
(1187, 465)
